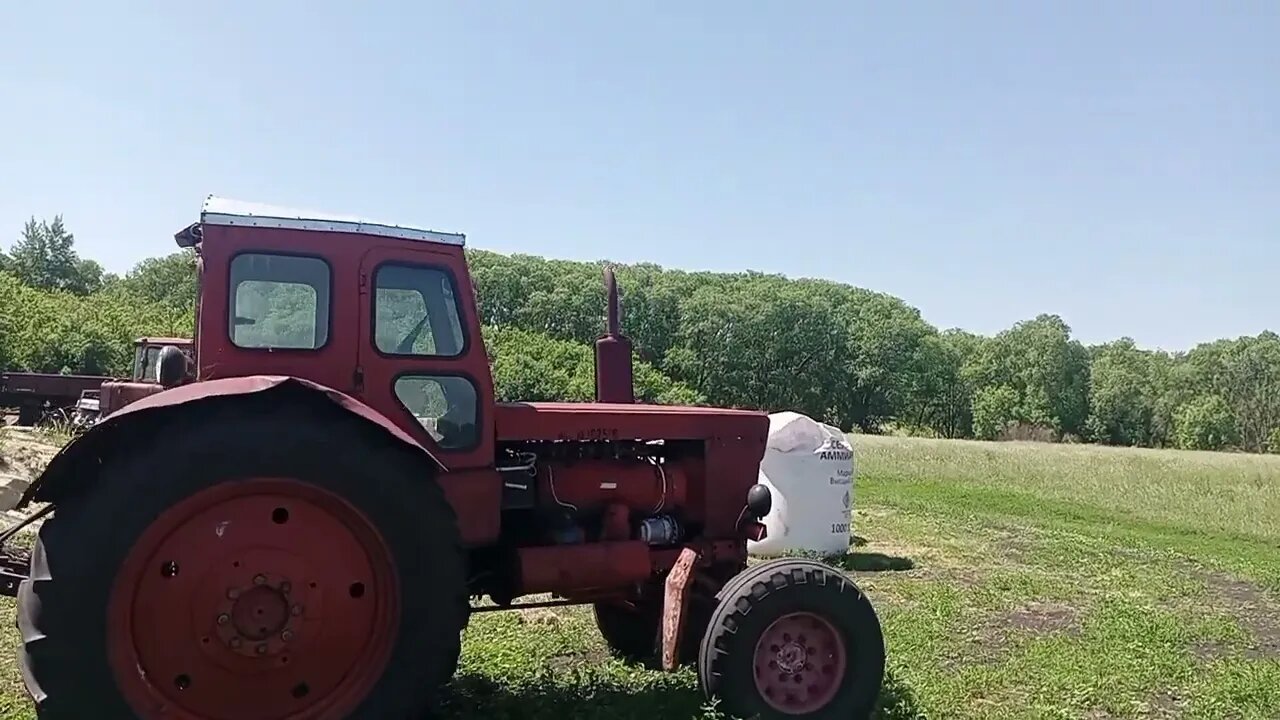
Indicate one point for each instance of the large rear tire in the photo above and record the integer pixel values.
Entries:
(793, 639)
(259, 563)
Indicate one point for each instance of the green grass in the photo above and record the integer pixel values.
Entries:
(1077, 581)
(1013, 581)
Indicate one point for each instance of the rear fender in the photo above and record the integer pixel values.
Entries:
(142, 421)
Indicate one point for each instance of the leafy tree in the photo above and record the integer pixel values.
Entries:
(1046, 370)
(883, 337)
(758, 343)
(532, 367)
(849, 356)
(45, 257)
(1244, 372)
(1205, 423)
(995, 409)
(1122, 394)
(169, 281)
(939, 396)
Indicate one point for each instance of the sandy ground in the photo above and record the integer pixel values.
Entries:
(23, 455)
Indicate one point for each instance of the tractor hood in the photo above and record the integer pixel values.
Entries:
(624, 421)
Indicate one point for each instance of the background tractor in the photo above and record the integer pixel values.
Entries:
(294, 521)
(75, 398)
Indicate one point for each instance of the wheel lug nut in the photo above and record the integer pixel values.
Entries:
(223, 619)
(287, 635)
(296, 610)
(232, 594)
(235, 642)
(259, 579)
(261, 649)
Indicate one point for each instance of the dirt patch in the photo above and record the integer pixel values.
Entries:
(1016, 545)
(1253, 607)
(538, 616)
(1165, 705)
(1161, 706)
(567, 663)
(1207, 650)
(25, 456)
(1041, 619)
(988, 640)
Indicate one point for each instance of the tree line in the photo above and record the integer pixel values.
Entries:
(853, 357)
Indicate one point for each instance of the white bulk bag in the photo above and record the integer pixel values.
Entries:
(809, 467)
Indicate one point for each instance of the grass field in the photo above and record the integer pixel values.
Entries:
(1013, 581)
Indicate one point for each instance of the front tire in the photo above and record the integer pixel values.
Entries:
(793, 639)
(262, 562)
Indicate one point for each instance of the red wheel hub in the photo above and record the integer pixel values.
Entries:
(799, 663)
(254, 600)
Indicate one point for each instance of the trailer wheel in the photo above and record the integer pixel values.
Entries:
(29, 415)
(260, 564)
(793, 639)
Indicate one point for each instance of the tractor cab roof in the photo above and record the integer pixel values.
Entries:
(239, 213)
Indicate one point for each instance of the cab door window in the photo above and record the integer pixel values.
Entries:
(415, 312)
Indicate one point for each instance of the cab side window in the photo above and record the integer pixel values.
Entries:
(279, 301)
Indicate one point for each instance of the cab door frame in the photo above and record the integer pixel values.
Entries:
(376, 372)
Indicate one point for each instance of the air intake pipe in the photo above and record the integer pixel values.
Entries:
(613, 353)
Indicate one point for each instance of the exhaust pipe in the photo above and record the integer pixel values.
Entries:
(613, 353)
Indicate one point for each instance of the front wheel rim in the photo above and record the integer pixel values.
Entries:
(799, 663)
(258, 599)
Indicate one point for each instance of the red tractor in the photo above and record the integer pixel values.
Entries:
(296, 526)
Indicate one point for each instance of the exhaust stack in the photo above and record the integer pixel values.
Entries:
(613, 353)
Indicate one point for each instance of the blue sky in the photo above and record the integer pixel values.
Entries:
(1116, 163)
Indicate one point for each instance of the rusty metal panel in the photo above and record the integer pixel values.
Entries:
(675, 606)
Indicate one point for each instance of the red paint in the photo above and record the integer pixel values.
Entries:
(617, 523)
(799, 663)
(717, 552)
(564, 568)
(224, 591)
(352, 260)
(477, 497)
(117, 394)
(614, 383)
(635, 484)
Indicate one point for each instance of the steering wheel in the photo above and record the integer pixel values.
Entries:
(406, 345)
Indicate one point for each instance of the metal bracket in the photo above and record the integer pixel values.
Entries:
(675, 606)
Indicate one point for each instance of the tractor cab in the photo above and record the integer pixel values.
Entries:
(382, 312)
(146, 357)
